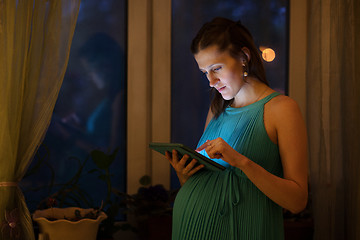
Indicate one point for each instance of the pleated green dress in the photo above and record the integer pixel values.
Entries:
(227, 205)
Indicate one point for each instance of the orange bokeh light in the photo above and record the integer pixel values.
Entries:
(268, 54)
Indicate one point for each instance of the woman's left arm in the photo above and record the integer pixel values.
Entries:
(291, 191)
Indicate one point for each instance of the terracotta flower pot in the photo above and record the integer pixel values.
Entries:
(60, 229)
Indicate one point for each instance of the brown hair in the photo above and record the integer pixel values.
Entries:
(230, 36)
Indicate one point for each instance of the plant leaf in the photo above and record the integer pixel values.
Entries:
(101, 159)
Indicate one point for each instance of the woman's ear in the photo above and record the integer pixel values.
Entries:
(246, 51)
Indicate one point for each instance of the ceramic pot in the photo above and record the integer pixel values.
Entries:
(60, 229)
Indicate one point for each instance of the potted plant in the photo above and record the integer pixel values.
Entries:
(69, 198)
(69, 223)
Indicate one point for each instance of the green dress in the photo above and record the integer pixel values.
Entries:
(227, 205)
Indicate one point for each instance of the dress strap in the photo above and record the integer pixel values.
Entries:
(270, 96)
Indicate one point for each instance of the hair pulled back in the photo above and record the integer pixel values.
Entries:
(230, 36)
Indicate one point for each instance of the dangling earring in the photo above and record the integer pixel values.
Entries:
(245, 72)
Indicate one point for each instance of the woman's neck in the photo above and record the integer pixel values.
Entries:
(252, 91)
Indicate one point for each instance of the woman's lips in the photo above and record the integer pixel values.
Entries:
(221, 89)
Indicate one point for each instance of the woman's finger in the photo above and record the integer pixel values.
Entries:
(214, 152)
(190, 166)
(194, 170)
(203, 146)
(175, 155)
(183, 160)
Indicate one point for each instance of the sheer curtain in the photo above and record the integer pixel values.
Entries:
(333, 116)
(35, 39)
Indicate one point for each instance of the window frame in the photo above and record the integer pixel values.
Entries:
(149, 89)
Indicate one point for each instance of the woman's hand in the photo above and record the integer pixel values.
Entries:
(183, 171)
(220, 149)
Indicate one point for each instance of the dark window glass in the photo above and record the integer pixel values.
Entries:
(267, 20)
(90, 112)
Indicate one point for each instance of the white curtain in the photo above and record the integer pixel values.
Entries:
(333, 116)
(35, 39)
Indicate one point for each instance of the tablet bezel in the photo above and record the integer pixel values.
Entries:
(182, 150)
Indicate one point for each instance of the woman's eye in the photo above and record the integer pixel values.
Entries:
(216, 69)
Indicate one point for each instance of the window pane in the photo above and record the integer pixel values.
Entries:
(91, 109)
(267, 20)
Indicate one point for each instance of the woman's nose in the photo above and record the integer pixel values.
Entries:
(213, 80)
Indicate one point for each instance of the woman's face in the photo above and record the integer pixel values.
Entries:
(224, 72)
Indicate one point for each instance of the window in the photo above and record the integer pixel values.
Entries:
(91, 109)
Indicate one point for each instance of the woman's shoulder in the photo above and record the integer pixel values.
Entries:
(281, 116)
(282, 102)
(283, 107)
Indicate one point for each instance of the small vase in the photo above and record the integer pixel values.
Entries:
(63, 229)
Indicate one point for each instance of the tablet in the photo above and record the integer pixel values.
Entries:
(182, 150)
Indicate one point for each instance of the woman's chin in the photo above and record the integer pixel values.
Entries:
(226, 97)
